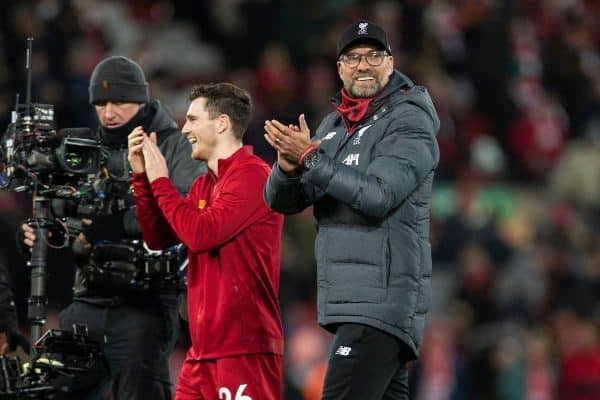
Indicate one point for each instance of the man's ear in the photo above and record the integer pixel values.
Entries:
(223, 123)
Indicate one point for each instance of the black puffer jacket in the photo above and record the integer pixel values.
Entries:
(371, 192)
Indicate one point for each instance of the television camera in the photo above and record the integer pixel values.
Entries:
(36, 158)
(50, 164)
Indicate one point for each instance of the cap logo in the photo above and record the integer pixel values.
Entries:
(362, 28)
(105, 84)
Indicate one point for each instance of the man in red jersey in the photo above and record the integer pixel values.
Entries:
(233, 241)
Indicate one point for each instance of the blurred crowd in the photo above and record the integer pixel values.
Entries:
(516, 211)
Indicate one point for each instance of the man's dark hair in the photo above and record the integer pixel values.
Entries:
(225, 98)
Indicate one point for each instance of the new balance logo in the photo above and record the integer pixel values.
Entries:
(343, 351)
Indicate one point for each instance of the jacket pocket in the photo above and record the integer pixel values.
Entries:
(353, 264)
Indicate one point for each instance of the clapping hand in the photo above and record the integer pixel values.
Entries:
(290, 142)
(154, 162)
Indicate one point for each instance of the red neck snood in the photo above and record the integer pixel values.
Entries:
(353, 109)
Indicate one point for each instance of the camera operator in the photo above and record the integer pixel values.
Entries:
(138, 326)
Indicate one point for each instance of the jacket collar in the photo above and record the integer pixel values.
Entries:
(398, 81)
(223, 164)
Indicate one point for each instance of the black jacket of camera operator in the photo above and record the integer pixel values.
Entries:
(113, 213)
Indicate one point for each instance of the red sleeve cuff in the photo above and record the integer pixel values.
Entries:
(139, 177)
(141, 186)
(160, 182)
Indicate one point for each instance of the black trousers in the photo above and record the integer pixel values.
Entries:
(139, 340)
(366, 364)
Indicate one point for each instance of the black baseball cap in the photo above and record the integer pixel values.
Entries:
(363, 31)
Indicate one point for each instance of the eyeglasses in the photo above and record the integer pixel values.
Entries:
(374, 58)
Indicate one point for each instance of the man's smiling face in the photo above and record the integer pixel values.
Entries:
(200, 129)
(364, 80)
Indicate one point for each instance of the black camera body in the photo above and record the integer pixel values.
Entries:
(36, 156)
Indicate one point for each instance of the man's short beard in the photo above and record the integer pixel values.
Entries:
(364, 93)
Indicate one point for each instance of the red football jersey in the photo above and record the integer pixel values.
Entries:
(234, 243)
